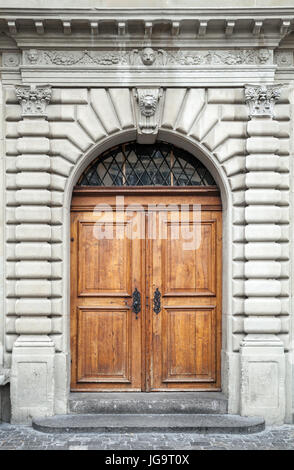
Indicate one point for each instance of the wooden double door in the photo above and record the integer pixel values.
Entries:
(145, 289)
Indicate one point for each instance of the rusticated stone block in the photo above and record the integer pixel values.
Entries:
(263, 233)
(262, 288)
(260, 179)
(33, 180)
(191, 108)
(33, 306)
(33, 127)
(29, 326)
(262, 145)
(225, 95)
(33, 214)
(69, 96)
(262, 306)
(33, 232)
(263, 251)
(262, 214)
(104, 109)
(33, 145)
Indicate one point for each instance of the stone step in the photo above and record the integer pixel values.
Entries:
(138, 423)
(155, 402)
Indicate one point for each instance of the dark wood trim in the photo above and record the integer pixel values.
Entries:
(90, 207)
(142, 190)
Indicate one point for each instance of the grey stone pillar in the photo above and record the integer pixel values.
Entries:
(262, 351)
(32, 373)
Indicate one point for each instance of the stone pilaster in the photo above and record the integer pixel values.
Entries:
(262, 351)
(32, 376)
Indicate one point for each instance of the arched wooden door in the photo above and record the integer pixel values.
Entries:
(146, 273)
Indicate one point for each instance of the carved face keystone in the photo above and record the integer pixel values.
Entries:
(149, 105)
(263, 55)
(148, 56)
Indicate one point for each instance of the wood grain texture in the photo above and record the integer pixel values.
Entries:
(106, 341)
(176, 349)
(185, 338)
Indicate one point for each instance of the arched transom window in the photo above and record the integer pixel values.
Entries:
(132, 164)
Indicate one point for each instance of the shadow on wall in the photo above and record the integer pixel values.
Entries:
(5, 404)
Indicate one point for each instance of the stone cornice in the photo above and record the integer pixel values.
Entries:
(224, 46)
(181, 12)
(146, 23)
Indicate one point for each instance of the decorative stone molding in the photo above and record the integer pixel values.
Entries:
(33, 99)
(275, 22)
(262, 350)
(261, 99)
(148, 112)
(149, 57)
(11, 59)
(284, 58)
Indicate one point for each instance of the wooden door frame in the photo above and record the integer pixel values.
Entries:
(210, 196)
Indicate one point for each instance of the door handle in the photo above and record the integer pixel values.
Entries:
(156, 301)
(136, 302)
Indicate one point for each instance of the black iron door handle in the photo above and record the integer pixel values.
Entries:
(136, 302)
(156, 301)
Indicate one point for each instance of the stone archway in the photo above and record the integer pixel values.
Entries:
(162, 180)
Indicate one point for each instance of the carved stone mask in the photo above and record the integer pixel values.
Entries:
(148, 105)
(148, 56)
(263, 55)
(263, 94)
(33, 55)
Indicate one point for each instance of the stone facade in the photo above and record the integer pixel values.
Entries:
(220, 86)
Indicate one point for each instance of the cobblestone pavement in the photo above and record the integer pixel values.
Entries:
(24, 437)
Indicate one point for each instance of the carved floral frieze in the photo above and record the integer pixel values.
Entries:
(148, 57)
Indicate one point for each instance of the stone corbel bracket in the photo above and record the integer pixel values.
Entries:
(261, 99)
(33, 99)
(148, 105)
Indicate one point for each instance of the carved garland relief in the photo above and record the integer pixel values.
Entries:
(149, 57)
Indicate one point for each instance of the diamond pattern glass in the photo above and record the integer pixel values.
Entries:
(135, 164)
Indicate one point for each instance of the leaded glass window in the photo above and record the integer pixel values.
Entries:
(133, 164)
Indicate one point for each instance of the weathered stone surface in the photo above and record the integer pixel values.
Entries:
(155, 403)
(150, 423)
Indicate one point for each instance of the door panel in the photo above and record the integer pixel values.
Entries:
(101, 332)
(187, 348)
(174, 347)
(106, 266)
(185, 337)
(108, 262)
(190, 271)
